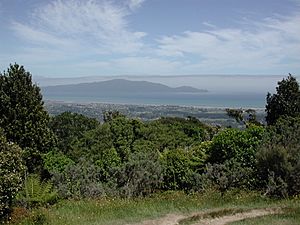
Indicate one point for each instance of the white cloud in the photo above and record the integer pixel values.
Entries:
(210, 25)
(98, 27)
(268, 44)
(39, 37)
(135, 4)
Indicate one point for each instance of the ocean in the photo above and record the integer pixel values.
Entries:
(209, 99)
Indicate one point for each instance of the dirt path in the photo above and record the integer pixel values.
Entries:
(173, 219)
(239, 216)
(170, 219)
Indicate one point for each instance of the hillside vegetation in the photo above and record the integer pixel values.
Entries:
(125, 169)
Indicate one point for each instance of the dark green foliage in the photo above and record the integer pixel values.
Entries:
(92, 143)
(12, 170)
(81, 180)
(229, 175)
(286, 102)
(68, 127)
(173, 133)
(22, 115)
(125, 157)
(239, 145)
(141, 175)
(278, 158)
(110, 115)
(108, 159)
(36, 192)
(143, 145)
(190, 127)
(276, 186)
(294, 178)
(123, 135)
(56, 162)
(98, 146)
(180, 169)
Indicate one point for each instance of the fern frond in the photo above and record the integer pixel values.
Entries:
(36, 192)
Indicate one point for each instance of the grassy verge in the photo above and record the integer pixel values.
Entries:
(122, 211)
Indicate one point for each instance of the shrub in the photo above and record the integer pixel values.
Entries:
(56, 162)
(238, 145)
(11, 171)
(229, 175)
(178, 169)
(108, 160)
(80, 180)
(294, 179)
(278, 158)
(276, 186)
(36, 192)
(142, 174)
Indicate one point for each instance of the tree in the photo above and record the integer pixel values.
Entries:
(22, 115)
(286, 102)
(240, 117)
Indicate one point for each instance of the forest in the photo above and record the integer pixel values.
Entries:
(50, 160)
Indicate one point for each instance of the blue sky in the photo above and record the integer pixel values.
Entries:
(71, 38)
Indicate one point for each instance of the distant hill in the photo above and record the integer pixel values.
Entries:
(115, 87)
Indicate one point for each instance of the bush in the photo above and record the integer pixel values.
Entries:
(141, 175)
(229, 175)
(108, 160)
(56, 162)
(11, 172)
(179, 169)
(278, 158)
(36, 192)
(238, 145)
(81, 180)
(276, 186)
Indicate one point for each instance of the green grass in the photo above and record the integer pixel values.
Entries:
(122, 211)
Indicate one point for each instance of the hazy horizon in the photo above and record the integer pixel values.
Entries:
(212, 83)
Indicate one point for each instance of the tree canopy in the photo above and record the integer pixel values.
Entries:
(286, 102)
(22, 114)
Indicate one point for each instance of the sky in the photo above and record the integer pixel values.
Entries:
(73, 38)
